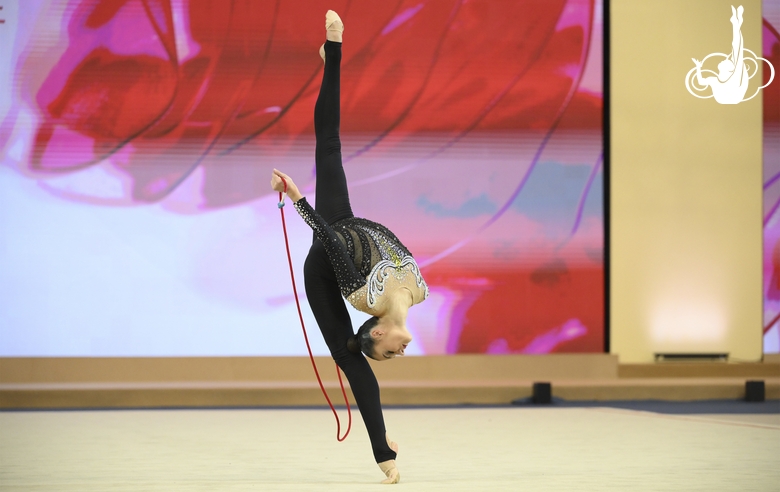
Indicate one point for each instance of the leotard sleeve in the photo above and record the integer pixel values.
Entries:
(347, 275)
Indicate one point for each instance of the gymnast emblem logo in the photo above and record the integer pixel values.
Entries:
(729, 84)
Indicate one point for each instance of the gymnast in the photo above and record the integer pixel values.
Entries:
(355, 258)
(731, 84)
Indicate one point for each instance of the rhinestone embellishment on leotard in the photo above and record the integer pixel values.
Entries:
(349, 279)
(377, 245)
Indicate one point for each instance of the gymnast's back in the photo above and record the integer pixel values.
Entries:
(383, 260)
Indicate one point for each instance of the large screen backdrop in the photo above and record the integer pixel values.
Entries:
(771, 101)
(138, 138)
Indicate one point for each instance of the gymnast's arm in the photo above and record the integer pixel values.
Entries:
(701, 80)
(348, 277)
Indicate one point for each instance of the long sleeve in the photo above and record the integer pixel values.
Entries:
(347, 275)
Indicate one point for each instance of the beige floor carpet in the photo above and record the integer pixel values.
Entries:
(528, 449)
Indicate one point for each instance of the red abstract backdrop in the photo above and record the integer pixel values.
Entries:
(471, 128)
(771, 95)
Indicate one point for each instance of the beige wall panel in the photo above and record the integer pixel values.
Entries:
(686, 187)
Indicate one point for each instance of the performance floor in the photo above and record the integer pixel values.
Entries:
(507, 448)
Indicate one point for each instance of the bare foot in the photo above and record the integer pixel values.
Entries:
(390, 471)
(333, 26)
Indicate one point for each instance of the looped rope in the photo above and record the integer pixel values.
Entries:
(306, 337)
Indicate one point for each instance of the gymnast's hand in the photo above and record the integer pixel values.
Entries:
(278, 185)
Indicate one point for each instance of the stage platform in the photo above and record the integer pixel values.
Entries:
(230, 382)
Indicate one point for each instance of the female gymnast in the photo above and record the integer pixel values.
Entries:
(731, 84)
(355, 258)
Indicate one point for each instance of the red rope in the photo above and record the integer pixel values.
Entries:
(306, 337)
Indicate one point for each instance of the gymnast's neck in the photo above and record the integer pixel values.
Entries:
(399, 302)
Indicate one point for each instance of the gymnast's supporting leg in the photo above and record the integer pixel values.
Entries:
(333, 319)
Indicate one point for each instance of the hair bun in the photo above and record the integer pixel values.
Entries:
(353, 345)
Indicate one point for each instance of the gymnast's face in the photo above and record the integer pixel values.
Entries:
(390, 342)
(725, 69)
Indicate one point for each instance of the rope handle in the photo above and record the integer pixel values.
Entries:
(283, 194)
(305, 335)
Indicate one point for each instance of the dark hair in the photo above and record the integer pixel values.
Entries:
(362, 340)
